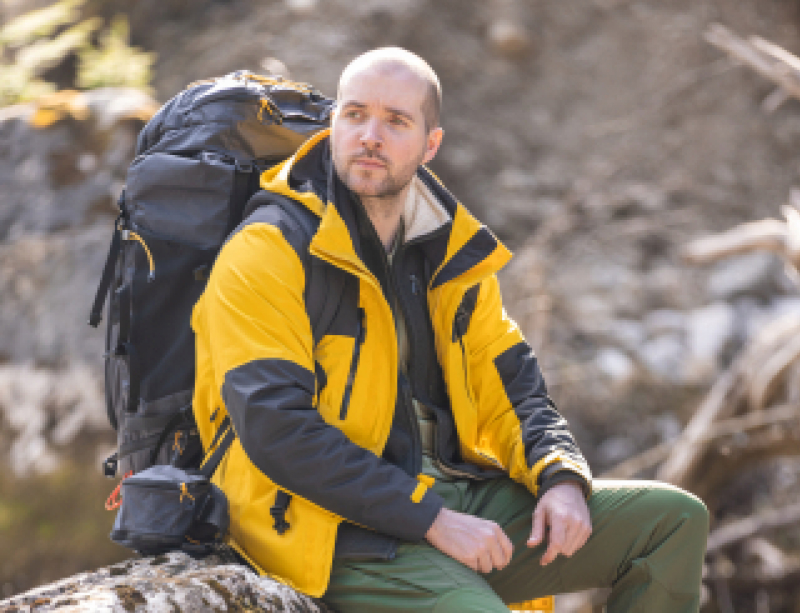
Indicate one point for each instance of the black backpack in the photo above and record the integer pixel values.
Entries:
(198, 162)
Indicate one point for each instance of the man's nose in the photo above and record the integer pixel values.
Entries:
(371, 135)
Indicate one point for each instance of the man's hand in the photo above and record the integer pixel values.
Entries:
(563, 509)
(478, 543)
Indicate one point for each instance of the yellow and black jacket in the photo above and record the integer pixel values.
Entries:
(331, 423)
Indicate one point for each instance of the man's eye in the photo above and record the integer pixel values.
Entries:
(397, 121)
(353, 114)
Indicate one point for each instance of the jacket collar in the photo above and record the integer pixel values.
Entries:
(463, 250)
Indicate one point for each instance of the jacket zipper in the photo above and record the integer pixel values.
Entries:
(461, 314)
(348, 388)
(409, 392)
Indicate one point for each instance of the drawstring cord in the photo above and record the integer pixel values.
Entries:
(128, 235)
(115, 499)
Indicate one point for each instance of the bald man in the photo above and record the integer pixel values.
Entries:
(426, 466)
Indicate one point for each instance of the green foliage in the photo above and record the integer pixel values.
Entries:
(42, 39)
(44, 54)
(40, 23)
(115, 62)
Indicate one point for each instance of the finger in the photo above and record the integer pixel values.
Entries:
(506, 545)
(572, 541)
(537, 531)
(497, 555)
(485, 563)
(556, 544)
(586, 532)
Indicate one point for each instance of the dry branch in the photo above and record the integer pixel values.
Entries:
(726, 398)
(764, 235)
(771, 374)
(767, 59)
(748, 428)
(756, 525)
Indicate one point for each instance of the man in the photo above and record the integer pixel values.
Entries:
(426, 467)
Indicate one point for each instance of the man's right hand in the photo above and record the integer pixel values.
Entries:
(478, 543)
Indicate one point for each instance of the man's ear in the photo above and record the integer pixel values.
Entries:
(432, 144)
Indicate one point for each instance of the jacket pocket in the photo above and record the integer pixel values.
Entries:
(351, 375)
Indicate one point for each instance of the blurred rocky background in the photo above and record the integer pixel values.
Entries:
(596, 137)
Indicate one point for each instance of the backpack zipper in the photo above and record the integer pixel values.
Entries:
(348, 388)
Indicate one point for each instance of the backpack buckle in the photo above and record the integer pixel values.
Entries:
(109, 465)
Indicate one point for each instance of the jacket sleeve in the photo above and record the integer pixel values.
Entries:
(518, 423)
(261, 344)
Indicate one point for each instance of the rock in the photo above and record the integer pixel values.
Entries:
(664, 357)
(615, 449)
(47, 284)
(508, 38)
(615, 364)
(709, 330)
(626, 333)
(752, 274)
(302, 7)
(276, 67)
(68, 158)
(43, 410)
(170, 583)
(664, 321)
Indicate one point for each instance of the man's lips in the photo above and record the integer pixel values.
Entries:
(369, 163)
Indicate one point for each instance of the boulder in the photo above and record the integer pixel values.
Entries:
(171, 583)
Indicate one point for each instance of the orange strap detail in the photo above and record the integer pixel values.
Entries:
(185, 492)
(115, 499)
(176, 445)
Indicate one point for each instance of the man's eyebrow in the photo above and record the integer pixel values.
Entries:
(358, 105)
(402, 113)
(361, 105)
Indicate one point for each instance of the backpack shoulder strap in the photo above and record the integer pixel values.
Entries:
(325, 284)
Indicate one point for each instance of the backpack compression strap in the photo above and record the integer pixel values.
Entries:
(96, 313)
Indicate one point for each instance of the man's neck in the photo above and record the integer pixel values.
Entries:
(385, 214)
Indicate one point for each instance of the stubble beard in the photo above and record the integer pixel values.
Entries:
(380, 199)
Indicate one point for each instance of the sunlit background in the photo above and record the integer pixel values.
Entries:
(597, 138)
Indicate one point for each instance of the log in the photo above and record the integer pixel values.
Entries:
(170, 583)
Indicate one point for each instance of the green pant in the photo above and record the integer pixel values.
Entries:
(647, 544)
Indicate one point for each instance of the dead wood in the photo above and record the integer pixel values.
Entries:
(767, 59)
(755, 525)
(727, 398)
(777, 428)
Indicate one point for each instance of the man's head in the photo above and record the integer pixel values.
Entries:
(386, 122)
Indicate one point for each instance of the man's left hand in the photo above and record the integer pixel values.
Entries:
(563, 510)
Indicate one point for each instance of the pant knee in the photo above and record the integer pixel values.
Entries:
(691, 510)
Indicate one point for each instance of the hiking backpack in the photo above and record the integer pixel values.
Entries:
(198, 162)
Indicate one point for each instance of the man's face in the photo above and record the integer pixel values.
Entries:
(378, 135)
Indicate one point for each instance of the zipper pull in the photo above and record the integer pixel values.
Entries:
(415, 285)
